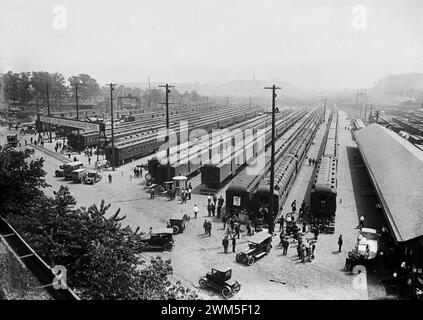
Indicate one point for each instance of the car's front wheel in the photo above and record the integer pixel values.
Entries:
(236, 287)
(167, 247)
(175, 229)
(226, 292)
(202, 283)
(250, 261)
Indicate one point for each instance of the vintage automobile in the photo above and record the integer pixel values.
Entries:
(159, 239)
(78, 175)
(177, 222)
(259, 245)
(218, 280)
(367, 243)
(30, 150)
(92, 177)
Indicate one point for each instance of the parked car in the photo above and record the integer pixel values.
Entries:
(259, 245)
(78, 175)
(177, 222)
(59, 173)
(92, 177)
(30, 150)
(161, 239)
(368, 243)
(218, 280)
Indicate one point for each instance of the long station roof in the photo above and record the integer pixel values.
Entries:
(396, 170)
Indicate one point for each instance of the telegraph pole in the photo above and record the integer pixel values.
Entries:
(272, 160)
(324, 112)
(77, 115)
(167, 86)
(48, 112)
(113, 137)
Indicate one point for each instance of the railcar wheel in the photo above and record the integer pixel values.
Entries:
(250, 261)
(175, 229)
(202, 283)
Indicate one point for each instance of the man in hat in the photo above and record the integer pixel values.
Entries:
(195, 211)
(233, 243)
(225, 243)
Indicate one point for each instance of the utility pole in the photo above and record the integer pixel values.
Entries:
(113, 137)
(167, 86)
(77, 115)
(371, 111)
(324, 112)
(48, 112)
(272, 161)
(365, 113)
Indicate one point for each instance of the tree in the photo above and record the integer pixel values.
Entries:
(20, 181)
(100, 255)
(88, 87)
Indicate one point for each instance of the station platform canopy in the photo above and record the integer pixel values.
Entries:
(395, 167)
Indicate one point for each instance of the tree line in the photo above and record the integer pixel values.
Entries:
(100, 254)
(23, 87)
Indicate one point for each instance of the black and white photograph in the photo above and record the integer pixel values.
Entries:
(220, 153)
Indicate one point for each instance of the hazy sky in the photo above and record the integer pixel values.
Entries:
(313, 44)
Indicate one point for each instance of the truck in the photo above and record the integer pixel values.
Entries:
(79, 175)
(92, 177)
(12, 140)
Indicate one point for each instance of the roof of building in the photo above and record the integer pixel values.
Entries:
(396, 169)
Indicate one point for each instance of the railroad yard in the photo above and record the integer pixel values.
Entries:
(235, 172)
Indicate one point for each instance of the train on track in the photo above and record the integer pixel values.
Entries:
(215, 174)
(141, 144)
(323, 195)
(249, 192)
(192, 156)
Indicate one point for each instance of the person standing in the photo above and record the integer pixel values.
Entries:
(183, 198)
(340, 242)
(89, 161)
(209, 199)
(225, 243)
(195, 211)
(224, 220)
(219, 210)
(220, 201)
(361, 224)
(237, 229)
(209, 209)
(213, 208)
(209, 227)
(205, 226)
(189, 193)
(233, 244)
(294, 205)
(152, 193)
(214, 199)
(110, 178)
(285, 246)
